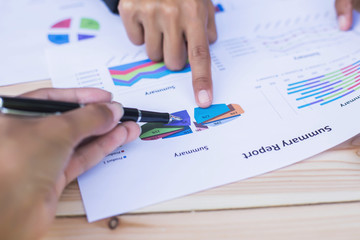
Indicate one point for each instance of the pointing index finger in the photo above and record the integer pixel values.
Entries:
(200, 62)
(344, 13)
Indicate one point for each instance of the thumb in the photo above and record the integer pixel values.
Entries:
(344, 14)
(91, 120)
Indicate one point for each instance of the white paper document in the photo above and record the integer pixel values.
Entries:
(279, 97)
(28, 27)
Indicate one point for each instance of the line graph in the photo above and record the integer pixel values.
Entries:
(131, 73)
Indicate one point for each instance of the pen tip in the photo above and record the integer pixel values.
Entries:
(175, 118)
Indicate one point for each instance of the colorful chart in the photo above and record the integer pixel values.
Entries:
(60, 32)
(218, 8)
(215, 115)
(154, 131)
(327, 88)
(129, 74)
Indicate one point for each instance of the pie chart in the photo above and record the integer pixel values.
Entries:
(215, 115)
(71, 29)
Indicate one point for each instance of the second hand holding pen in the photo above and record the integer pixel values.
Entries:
(38, 107)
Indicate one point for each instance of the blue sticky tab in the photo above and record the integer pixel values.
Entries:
(204, 114)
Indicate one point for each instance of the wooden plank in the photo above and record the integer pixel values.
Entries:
(330, 177)
(326, 221)
(24, 87)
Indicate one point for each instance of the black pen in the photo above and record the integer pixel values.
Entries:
(39, 107)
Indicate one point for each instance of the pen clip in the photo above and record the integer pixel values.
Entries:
(23, 113)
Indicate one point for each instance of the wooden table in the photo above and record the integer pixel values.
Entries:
(318, 198)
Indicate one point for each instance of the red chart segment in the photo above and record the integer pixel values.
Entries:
(62, 24)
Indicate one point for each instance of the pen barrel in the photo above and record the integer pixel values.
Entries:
(147, 116)
(37, 105)
(133, 114)
(130, 114)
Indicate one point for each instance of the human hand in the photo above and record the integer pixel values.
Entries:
(344, 11)
(175, 31)
(40, 156)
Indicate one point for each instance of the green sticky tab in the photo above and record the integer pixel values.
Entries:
(88, 23)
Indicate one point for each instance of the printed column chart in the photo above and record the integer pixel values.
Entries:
(68, 30)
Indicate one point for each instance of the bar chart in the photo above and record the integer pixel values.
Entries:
(312, 85)
(329, 87)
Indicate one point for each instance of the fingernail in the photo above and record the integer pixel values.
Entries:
(112, 96)
(203, 97)
(117, 110)
(342, 22)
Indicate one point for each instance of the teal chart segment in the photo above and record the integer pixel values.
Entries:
(327, 88)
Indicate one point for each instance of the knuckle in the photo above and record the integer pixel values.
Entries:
(125, 7)
(117, 139)
(155, 56)
(201, 80)
(148, 9)
(138, 40)
(170, 10)
(200, 52)
(195, 8)
(175, 64)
